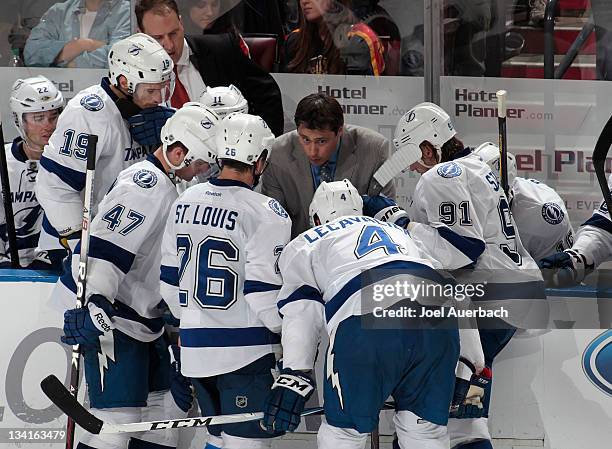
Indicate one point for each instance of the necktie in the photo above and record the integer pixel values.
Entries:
(180, 96)
(325, 173)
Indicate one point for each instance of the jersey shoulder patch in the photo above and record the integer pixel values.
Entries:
(145, 178)
(92, 102)
(450, 170)
(277, 208)
(552, 213)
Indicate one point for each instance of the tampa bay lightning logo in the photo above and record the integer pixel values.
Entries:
(603, 207)
(552, 213)
(277, 208)
(92, 102)
(206, 124)
(597, 362)
(449, 170)
(145, 178)
(134, 50)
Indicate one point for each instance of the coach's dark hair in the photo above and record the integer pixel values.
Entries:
(156, 6)
(319, 111)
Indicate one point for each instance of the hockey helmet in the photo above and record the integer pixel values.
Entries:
(224, 100)
(35, 94)
(333, 200)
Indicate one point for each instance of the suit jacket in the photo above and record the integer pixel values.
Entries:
(288, 177)
(220, 62)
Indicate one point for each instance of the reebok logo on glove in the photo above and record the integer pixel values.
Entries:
(100, 318)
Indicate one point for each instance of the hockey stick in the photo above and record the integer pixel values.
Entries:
(503, 140)
(599, 162)
(75, 367)
(60, 396)
(8, 206)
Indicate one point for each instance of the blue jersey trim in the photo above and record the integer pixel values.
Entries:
(600, 222)
(221, 337)
(229, 183)
(75, 179)
(377, 274)
(303, 292)
(49, 229)
(108, 251)
(469, 246)
(169, 275)
(258, 287)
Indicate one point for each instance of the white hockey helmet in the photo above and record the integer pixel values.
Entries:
(224, 100)
(425, 122)
(489, 153)
(333, 200)
(194, 126)
(35, 94)
(243, 138)
(141, 59)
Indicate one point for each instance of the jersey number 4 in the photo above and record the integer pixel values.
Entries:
(215, 284)
(373, 238)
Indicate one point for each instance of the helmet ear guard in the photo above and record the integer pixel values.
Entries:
(333, 200)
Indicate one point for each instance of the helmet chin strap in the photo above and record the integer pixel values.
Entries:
(28, 143)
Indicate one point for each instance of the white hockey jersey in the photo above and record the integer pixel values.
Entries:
(466, 197)
(220, 275)
(124, 248)
(594, 237)
(541, 218)
(27, 212)
(63, 165)
(327, 271)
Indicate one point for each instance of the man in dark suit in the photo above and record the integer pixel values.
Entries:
(322, 148)
(209, 60)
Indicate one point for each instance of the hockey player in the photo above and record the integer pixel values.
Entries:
(120, 329)
(140, 76)
(224, 100)
(327, 271)
(36, 105)
(457, 189)
(220, 278)
(593, 246)
(538, 211)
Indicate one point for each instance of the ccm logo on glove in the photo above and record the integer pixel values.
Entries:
(294, 383)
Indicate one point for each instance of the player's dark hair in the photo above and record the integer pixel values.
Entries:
(240, 167)
(160, 7)
(450, 148)
(319, 111)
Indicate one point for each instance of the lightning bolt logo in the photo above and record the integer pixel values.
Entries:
(332, 375)
(107, 351)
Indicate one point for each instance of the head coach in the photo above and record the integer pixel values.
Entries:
(322, 148)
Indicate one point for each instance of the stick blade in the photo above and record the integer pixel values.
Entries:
(55, 390)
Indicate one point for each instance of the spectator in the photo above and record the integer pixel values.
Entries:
(208, 17)
(322, 148)
(36, 104)
(209, 61)
(330, 40)
(602, 16)
(27, 16)
(78, 33)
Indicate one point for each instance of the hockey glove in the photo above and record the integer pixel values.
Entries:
(285, 403)
(565, 269)
(180, 386)
(384, 209)
(83, 326)
(146, 126)
(469, 394)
